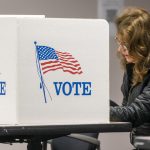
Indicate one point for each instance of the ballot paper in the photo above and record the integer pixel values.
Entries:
(54, 71)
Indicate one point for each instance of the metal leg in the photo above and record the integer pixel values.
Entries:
(99, 146)
(44, 145)
(34, 145)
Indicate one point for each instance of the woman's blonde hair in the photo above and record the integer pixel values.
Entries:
(133, 28)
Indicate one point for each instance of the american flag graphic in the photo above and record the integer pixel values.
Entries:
(51, 60)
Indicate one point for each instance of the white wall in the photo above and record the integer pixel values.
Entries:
(138, 3)
(51, 8)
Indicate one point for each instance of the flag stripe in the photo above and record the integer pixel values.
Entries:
(51, 70)
(68, 63)
(73, 72)
(71, 61)
(50, 66)
(63, 67)
(73, 68)
(48, 62)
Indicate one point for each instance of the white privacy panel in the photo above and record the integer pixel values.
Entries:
(62, 71)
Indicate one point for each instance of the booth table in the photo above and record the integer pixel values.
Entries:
(41, 133)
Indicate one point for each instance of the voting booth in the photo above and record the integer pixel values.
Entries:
(54, 71)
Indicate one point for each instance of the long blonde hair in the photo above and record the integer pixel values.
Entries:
(133, 27)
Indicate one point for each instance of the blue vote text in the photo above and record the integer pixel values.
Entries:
(2, 88)
(73, 88)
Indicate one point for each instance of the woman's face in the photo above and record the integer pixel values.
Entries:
(123, 50)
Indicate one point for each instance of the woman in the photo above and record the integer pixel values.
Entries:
(133, 38)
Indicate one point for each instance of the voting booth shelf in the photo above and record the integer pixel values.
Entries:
(54, 71)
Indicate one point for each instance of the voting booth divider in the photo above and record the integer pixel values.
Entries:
(54, 71)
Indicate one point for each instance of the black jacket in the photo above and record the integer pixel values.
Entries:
(136, 103)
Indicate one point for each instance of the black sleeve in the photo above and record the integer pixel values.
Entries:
(124, 102)
(124, 89)
(112, 103)
(137, 113)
